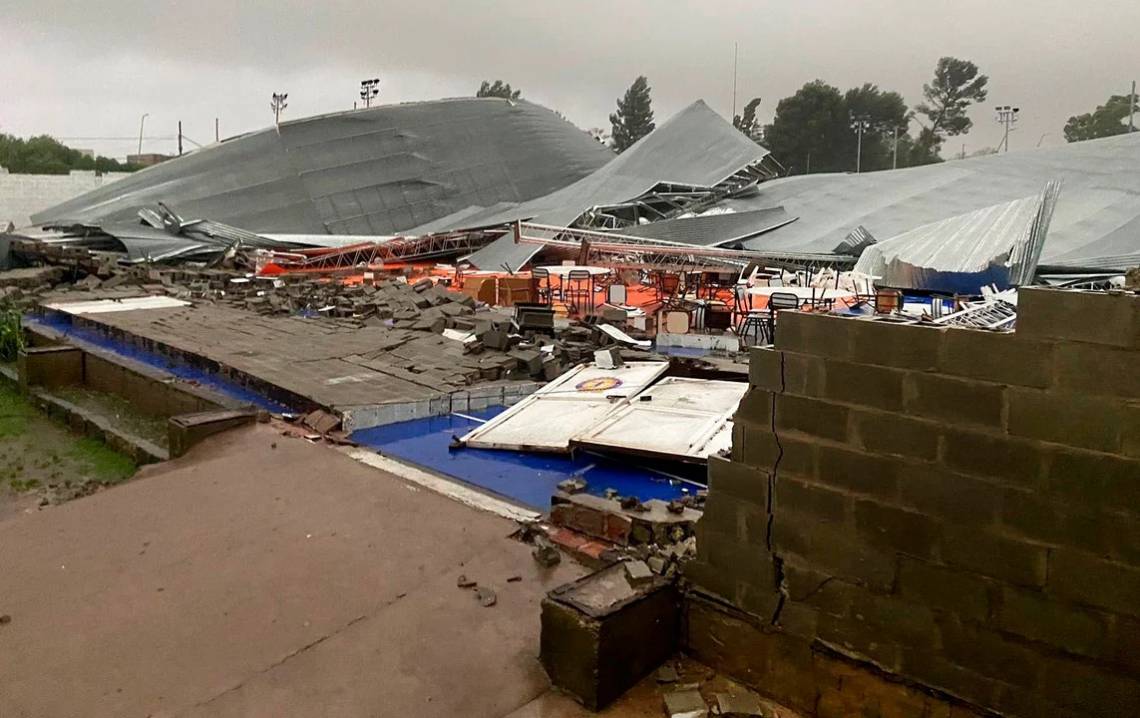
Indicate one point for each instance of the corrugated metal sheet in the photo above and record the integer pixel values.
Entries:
(375, 171)
(996, 245)
(695, 148)
(713, 230)
(1098, 214)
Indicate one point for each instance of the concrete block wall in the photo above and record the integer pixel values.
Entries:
(954, 509)
(23, 195)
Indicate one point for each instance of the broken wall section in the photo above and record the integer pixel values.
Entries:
(953, 509)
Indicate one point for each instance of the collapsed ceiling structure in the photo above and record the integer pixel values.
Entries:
(463, 174)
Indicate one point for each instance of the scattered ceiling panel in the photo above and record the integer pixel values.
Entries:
(549, 418)
(374, 171)
(715, 229)
(1097, 216)
(677, 418)
(998, 245)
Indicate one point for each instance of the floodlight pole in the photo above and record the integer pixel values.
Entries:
(895, 160)
(369, 89)
(735, 56)
(1007, 116)
(860, 124)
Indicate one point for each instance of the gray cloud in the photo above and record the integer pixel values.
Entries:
(91, 69)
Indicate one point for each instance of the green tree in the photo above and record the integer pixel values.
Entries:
(44, 155)
(1107, 120)
(634, 117)
(812, 129)
(747, 122)
(498, 88)
(957, 84)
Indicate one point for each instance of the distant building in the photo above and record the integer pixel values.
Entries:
(146, 159)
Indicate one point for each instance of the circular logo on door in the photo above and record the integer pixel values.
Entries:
(600, 384)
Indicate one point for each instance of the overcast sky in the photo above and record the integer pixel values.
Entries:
(91, 69)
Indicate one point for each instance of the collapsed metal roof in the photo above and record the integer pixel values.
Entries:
(695, 150)
(376, 171)
(997, 245)
(714, 229)
(1096, 223)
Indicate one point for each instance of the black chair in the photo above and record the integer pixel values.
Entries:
(579, 292)
(778, 302)
(540, 280)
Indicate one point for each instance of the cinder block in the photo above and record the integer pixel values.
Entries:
(864, 385)
(811, 416)
(1041, 519)
(817, 589)
(955, 400)
(934, 669)
(818, 501)
(1083, 578)
(597, 642)
(1089, 690)
(1083, 316)
(709, 579)
(1017, 562)
(894, 529)
(1038, 618)
(906, 346)
(1095, 369)
(999, 357)
(953, 497)
(744, 520)
(785, 372)
(883, 433)
(766, 369)
(963, 594)
(833, 549)
(1094, 480)
(790, 453)
(1072, 419)
(814, 334)
(1012, 460)
(858, 472)
(744, 561)
(989, 653)
(755, 407)
(893, 619)
(739, 481)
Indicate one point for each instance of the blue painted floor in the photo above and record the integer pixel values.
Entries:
(85, 335)
(526, 478)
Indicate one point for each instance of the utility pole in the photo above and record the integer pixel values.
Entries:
(895, 160)
(217, 132)
(860, 124)
(735, 57)
(808, 170)
(1007, 116)
(1132, 108)
(142, 121)
(369, 89)
(278, 105)
(180, 138)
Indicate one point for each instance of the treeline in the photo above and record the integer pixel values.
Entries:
(44, 155)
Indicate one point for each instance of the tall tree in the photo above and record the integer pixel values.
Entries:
(812, 129)
(634, 117)
(747, 122)
(1107, 120)
(45, 155)
(498, 88)
(957, 84)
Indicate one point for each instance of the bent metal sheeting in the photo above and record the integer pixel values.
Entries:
(376, 171)
(695, 149)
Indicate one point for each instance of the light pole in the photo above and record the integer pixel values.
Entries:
(1007, 116)
(895, 160)
(278, 105)
(369, 89)
(142, 122)
(860, 124)
(1132, 108)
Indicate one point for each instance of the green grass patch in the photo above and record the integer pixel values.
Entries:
(14, 413)
(105, 465)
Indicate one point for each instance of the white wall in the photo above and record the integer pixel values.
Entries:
(23, 195)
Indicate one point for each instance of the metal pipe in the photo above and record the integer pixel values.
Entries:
(142, 121)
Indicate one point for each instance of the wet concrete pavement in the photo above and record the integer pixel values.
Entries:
(248, 580)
